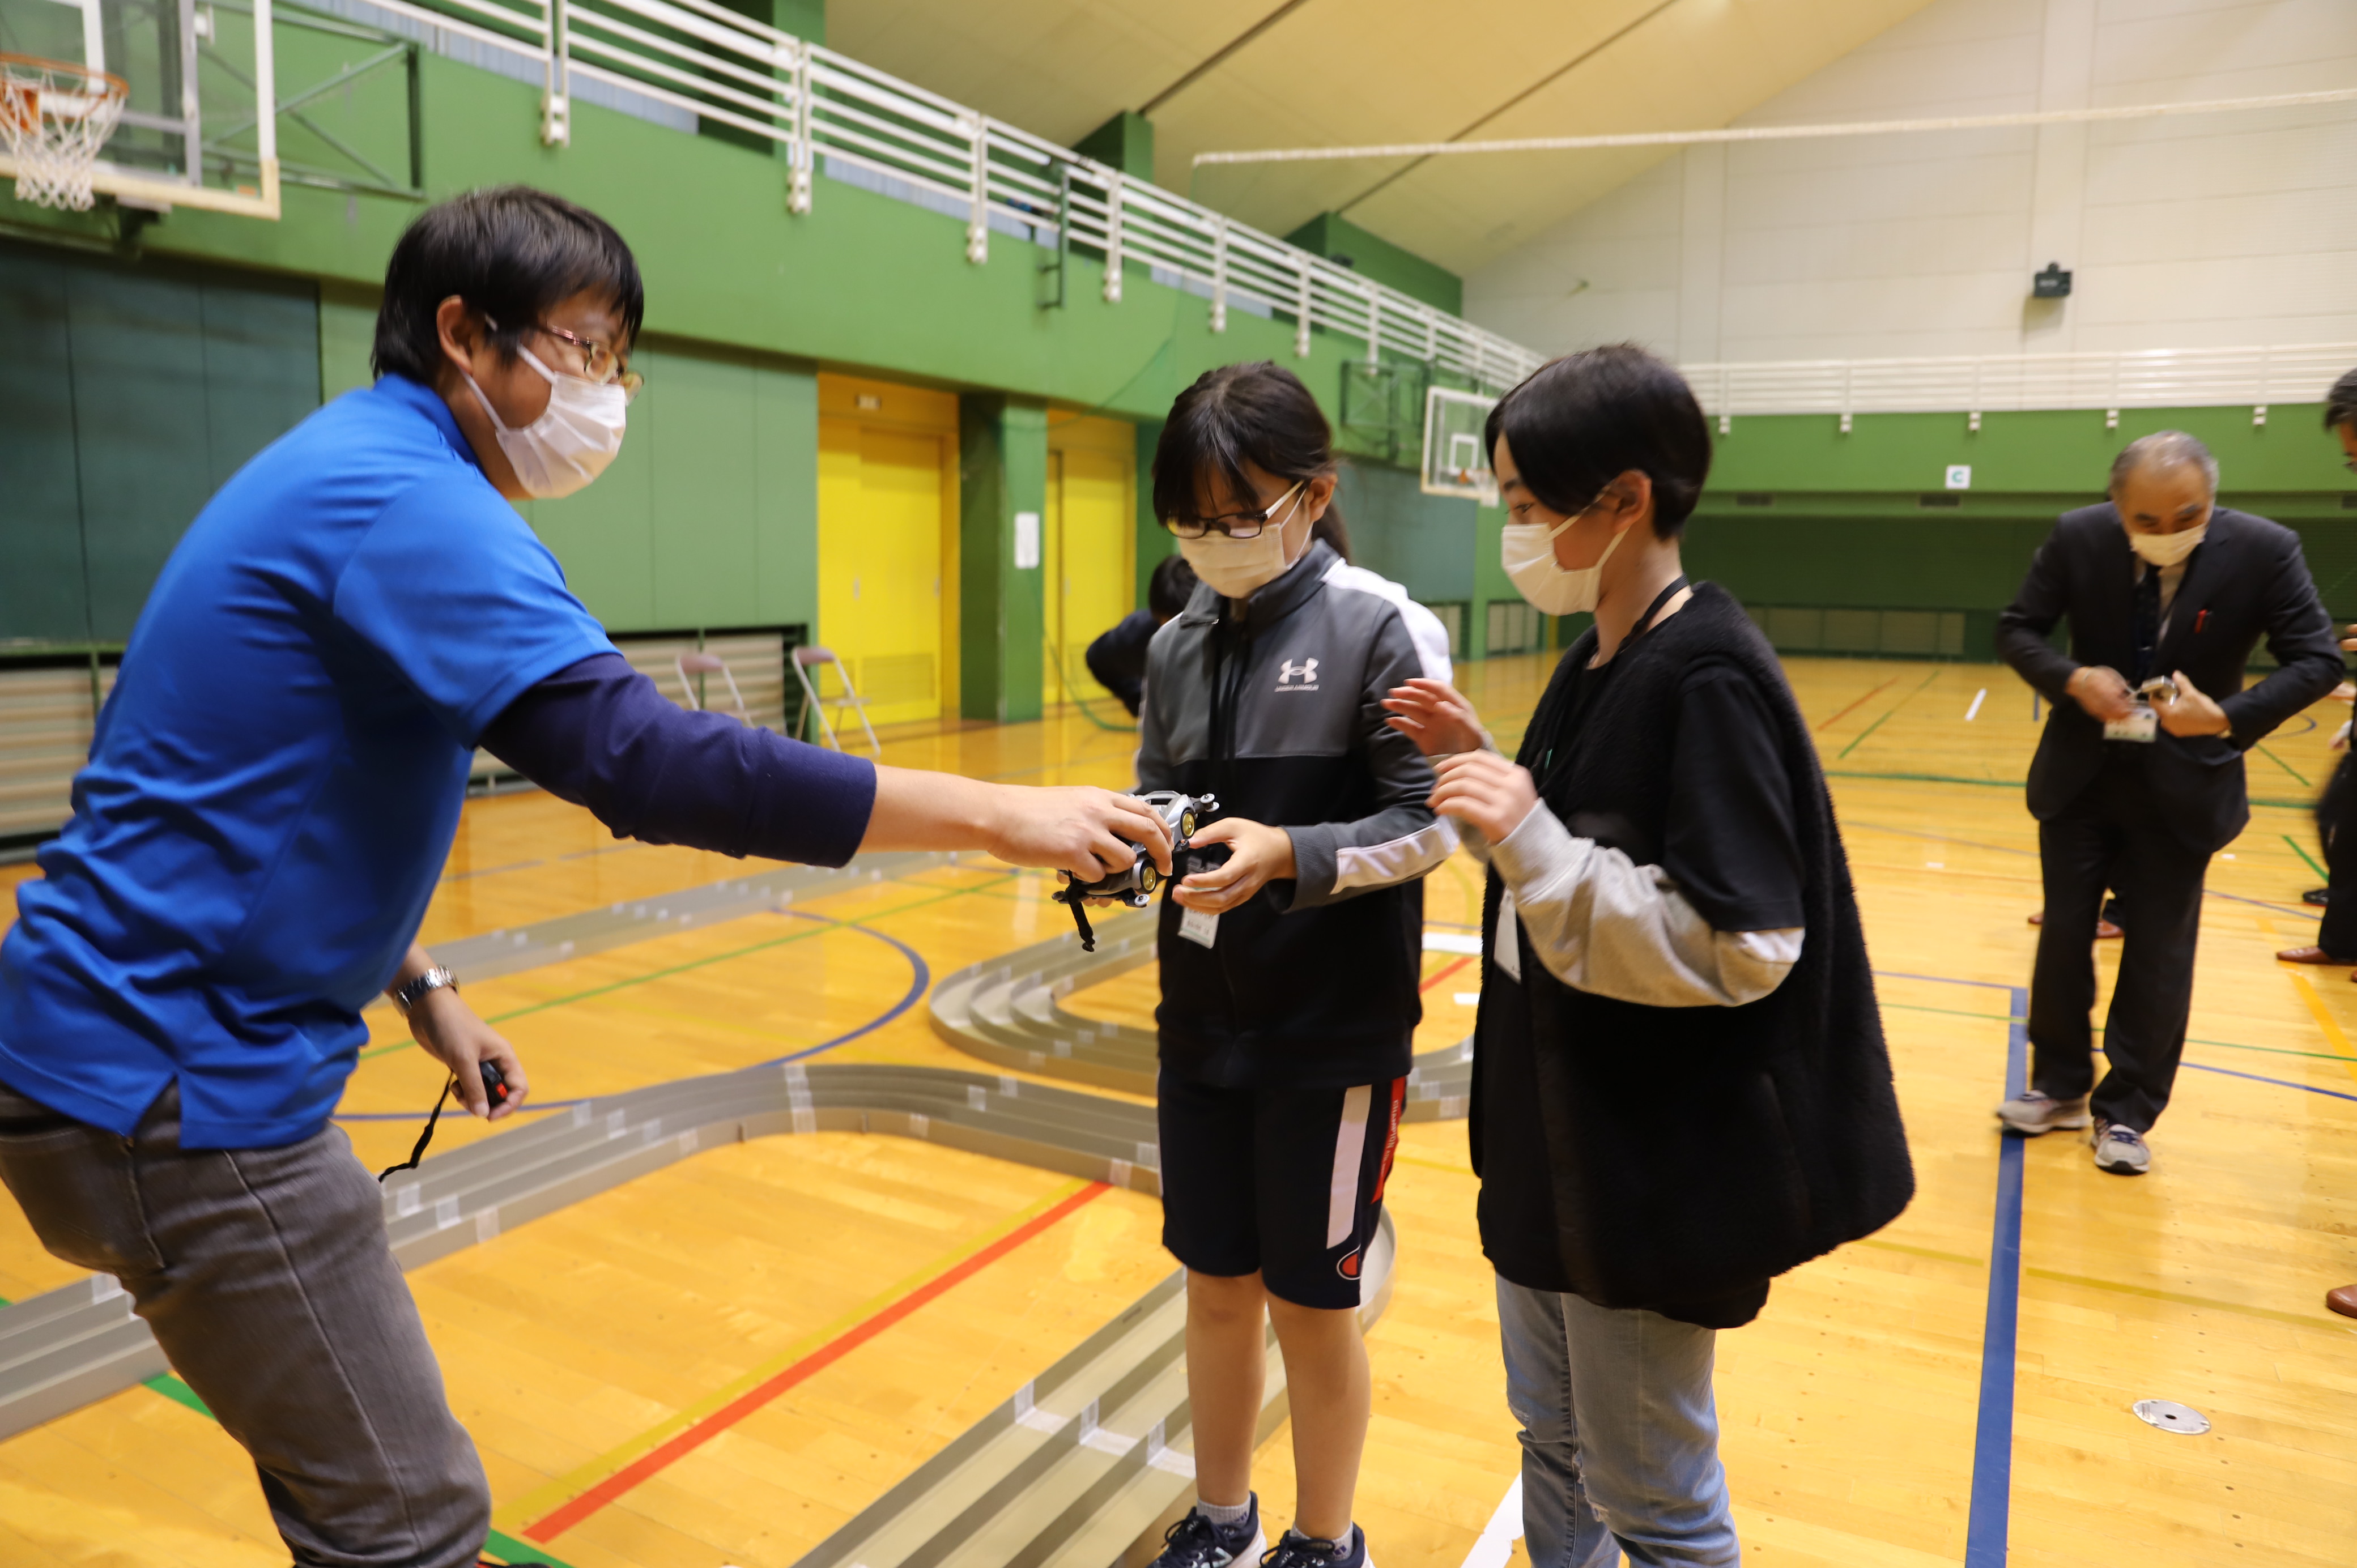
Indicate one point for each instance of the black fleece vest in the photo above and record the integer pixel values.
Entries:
(1695, 1151)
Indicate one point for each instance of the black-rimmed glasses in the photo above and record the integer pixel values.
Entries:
(1234, 524)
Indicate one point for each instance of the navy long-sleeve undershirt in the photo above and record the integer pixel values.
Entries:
(600, 734)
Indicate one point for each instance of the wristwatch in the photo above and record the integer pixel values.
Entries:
(408, 994)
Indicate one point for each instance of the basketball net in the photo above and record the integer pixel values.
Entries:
(54, 117)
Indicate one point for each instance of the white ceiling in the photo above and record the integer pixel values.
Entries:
(1340, 72)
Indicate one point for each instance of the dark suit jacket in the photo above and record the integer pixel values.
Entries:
(2246, 580)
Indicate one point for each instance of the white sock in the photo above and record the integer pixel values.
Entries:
(1220, 1515)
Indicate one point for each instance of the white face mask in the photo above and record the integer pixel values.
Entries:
(1527, 552)
(1238, 568)
(571, 443)
(2166, 549)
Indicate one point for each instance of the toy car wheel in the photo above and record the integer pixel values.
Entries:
(1185, 824)
(1148, 877)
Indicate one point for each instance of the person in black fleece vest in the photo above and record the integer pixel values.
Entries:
(1681, 1087)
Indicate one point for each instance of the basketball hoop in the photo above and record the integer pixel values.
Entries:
(54, 117)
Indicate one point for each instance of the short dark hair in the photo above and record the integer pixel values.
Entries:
(1258, 413)
(509, 251)
(1579, 421)
(2340, 402)
(1170, 586)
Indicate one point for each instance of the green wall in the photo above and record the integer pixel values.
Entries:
(1125, 142)
(132, 393)
(708, 517)
(1153, 541)
(1002, 606)
(709, 514)
(1333, 236)
(1423, 542)
(1799, 513)
(2050, 451)
(863, 282)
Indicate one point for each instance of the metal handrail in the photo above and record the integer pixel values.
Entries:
(704, 60)
(2253, 376)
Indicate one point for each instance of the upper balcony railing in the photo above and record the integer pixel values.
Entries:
(2160, 378)
(705, 62)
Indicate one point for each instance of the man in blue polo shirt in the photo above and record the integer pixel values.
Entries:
(270, 794)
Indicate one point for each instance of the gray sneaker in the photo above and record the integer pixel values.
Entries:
(2120, 1150)
(2033, 1113)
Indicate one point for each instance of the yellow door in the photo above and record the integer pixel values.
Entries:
(1089, 549)
(879, 563)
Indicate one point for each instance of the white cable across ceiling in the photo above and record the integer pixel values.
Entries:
(1777, 132)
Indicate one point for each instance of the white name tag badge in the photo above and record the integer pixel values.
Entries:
(1509, 946)
(2142, 724)
(1199, 926)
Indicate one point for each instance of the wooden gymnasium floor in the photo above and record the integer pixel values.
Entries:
(1856, 1414)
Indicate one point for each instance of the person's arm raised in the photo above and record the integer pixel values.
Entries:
(1075, 828)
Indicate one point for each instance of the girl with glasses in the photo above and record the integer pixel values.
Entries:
(1289, 954)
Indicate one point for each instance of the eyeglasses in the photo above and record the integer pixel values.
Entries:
(596, 363)
(1234, 524)
(587, 359)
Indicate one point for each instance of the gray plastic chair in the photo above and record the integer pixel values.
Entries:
(807, 660)
(709, 664)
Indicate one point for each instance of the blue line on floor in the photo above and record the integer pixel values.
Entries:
(2278, 1082)
(1992, 1491)
(1951, 980)
(921, 979)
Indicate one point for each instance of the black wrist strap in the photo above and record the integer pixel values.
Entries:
(424, 1138)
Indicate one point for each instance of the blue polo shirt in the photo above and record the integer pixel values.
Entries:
(275, 780)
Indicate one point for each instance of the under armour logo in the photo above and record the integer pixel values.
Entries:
(1307, 671)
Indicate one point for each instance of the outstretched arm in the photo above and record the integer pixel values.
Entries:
(600, 734)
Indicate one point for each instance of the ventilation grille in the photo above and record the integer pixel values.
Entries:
(45, 719)
(1515, 627)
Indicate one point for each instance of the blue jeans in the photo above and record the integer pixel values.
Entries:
(1620, 1434)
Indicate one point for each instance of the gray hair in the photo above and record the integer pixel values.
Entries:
(2163, 449)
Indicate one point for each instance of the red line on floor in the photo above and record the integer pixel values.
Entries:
(1860, 702)
(658, 1459)
(1444, 972)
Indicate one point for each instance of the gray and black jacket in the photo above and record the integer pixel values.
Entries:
(1274, 706)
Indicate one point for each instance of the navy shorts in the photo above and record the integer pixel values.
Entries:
(1284, 1182)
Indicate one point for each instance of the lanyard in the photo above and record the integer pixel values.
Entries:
(1545, 770)
(1645, 622)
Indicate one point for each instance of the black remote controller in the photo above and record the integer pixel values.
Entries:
(495, 1083)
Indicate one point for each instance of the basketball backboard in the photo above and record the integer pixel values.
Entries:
(1456, 462)
(189, 135)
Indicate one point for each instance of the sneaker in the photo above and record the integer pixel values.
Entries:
(1196, 1542)
(2120, 1150)
(1295, 1550)
(2033, 1113)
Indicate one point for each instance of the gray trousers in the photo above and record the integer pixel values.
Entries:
(1620, 1434)
(267, 1279)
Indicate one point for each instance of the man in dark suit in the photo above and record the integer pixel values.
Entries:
(2336, 809)
(2163, 583)
(2336, 814)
